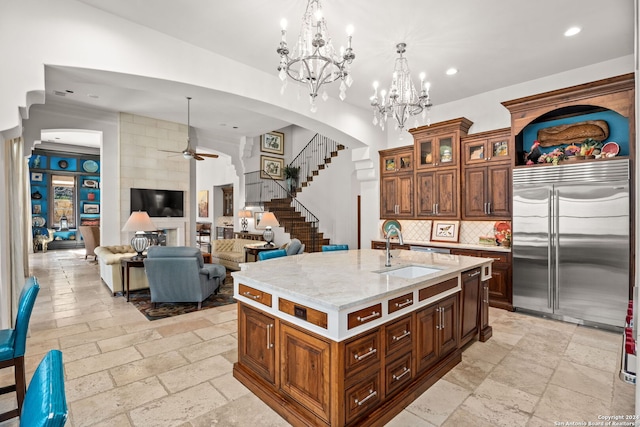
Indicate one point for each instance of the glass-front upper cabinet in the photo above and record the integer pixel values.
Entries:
(397, 160)
(437, 151)
(483, 150)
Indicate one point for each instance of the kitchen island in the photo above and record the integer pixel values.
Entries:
(338, 339)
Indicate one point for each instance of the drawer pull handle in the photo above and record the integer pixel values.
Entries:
(496, 259)
(402, 304)
(474, 274)
(248, 294)
(404, 334)
(371, 316)
(372, 393)
(404, 372)
(367, 354)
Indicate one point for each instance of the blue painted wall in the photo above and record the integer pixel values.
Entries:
(618, 130)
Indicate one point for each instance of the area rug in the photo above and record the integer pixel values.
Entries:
(142, 301)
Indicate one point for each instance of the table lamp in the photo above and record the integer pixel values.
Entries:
(244, 222)
(139, 222)
(268, 220)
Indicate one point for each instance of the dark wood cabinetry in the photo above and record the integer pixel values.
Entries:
(436, 331)
(438, 193)
(396, 193)
(257, 348)
(486, 177)
(470, 305)
(500, 286)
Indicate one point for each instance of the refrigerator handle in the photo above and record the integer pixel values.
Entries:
(549, 249)
(556, 248)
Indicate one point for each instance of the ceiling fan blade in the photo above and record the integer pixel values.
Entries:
(213, 156)
(197, 156)
(170, 151)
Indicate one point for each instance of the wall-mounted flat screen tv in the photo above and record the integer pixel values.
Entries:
(158, 203)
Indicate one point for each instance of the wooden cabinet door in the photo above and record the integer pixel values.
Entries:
(256, 347)
(475, 184)
(500, 286)
(486, 331)
(448, 333)
(305, 362)
(425, 193)
(470, 298)
(427, 320)
(447, 193)
(396, 196)
(405, 196)
(388, 197)
(499, 191)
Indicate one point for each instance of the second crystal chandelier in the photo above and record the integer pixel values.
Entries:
(403, 99)
(314, 60)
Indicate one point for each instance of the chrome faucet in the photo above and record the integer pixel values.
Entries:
(390, 231)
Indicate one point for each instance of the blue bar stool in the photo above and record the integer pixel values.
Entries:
(276, 253)
(45, 404)
(329, 248)
(13, 343)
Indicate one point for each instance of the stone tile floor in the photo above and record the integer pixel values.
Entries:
(123, 370)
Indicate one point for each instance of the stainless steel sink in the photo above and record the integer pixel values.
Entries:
(410, 271)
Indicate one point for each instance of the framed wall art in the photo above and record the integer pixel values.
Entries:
(271, 167)
(445, 231)
(203, 203)
(272, 142)
(90, 208)
(257, 216)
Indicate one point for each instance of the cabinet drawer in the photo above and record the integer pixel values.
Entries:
(399, 335)
(400, 302)
(362, 352)
(363, 316)
(398, 373)
(254, 294)
(362, 397)
(434, 290)
(496, 256)
(303, 312)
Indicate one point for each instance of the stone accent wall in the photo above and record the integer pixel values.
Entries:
(142, 165)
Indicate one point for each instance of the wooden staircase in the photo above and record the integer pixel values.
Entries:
(296, 225)
(323, 165)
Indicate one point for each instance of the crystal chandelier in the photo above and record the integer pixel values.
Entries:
(403, 100)
(314, 60)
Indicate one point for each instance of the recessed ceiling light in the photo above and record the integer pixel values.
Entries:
(572, 31)
(235, 127)
(69, 91)
(451, 71)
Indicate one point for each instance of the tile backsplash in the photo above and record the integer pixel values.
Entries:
(420, 230)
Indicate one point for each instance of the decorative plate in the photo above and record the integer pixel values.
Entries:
(38, 221)
(611, 149)
(388, 223)
(63, 164)
(90, 166)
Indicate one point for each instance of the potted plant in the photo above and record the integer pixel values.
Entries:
(291, 175)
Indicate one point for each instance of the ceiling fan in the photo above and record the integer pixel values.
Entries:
(190, 153)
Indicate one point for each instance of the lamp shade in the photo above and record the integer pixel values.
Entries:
(139, 221)
(244, 214)
(269, 220)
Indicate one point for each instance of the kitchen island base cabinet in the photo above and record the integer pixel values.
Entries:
(363, 381)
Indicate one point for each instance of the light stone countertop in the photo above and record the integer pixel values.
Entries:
(338, 280)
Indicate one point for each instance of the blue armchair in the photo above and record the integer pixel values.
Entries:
(13, 343)
(179, 274)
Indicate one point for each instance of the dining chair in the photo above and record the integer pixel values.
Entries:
(329, 248)
(45, 404)
(276, 253)
(13, 343)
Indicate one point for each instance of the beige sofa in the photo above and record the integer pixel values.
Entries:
(229, 252)
(110, 271)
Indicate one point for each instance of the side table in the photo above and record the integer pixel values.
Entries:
(125, 265)
(255, 248)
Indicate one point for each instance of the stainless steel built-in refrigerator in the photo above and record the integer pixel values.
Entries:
(571, 247)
